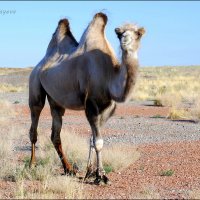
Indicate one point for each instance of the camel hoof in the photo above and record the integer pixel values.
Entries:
(71, 172)
(32, 165)
(106, 180)
(102, 180)
(75, 169)
(90, 173)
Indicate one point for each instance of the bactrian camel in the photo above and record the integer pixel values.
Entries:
(89, 78)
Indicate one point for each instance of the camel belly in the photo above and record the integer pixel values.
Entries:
(70, 100)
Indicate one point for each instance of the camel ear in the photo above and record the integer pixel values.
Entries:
(141, 32)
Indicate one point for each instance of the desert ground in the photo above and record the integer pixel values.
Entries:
(151, 143)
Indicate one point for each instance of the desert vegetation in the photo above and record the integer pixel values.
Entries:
(14, 79)
(7, 71)
(11, 88)
(175, 87)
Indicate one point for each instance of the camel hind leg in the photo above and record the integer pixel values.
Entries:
(36, 105)
(57, 112)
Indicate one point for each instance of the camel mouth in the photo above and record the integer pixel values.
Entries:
(101, 15)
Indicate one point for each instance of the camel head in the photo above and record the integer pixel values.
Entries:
(129, 36)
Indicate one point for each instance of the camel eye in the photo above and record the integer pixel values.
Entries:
(138, 34)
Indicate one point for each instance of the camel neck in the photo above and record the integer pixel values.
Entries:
(129, 56)
(124, 78)
(130, 62)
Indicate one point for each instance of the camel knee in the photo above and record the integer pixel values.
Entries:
(33, 139)
(55, 140)
(98, 144)
(33, 135)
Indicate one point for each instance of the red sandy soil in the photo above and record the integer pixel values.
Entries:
(142, 177)
(146, 111)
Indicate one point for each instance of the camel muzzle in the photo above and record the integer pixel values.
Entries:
(119, 33)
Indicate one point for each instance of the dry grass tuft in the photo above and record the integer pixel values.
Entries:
(51, 188)
(182, 113)
(148, 192)
(169, 100)
(76, 148)
(11, 88)
(119, 156)
(66, 186)
(178, 114)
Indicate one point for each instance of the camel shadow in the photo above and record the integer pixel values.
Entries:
(23, 148)
(186, 121)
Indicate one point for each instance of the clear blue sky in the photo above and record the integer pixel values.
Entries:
(173, 29)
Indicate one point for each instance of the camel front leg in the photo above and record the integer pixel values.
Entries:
(90, 168)
(92, 113)
(105, 113)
